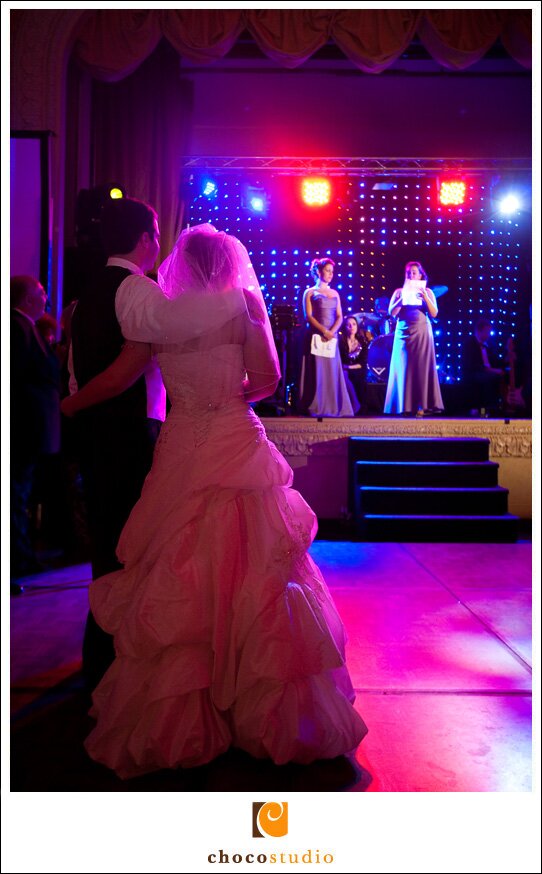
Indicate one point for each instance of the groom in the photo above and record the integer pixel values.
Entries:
(117, 437)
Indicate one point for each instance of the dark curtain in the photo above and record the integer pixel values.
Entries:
(111, 44)
(139, 127)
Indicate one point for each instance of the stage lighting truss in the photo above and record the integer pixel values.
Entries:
(355, 166)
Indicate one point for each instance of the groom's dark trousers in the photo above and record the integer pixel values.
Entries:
(116, 443)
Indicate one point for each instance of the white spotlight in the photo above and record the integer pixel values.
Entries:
(509, 204)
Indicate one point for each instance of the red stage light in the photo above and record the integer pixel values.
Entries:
(316, 191)
(452, 193)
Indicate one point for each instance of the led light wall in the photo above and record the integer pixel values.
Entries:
(477, 259)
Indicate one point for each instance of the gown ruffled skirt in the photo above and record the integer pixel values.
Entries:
(225, 632)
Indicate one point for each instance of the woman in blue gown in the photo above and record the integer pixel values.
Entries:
(323, 389)
(413, 384)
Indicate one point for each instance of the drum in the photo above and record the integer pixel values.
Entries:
(379, 358)
(386, 326)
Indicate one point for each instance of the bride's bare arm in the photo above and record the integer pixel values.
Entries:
(260, 357)
(118, 377)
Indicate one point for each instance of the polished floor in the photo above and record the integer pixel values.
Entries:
(439, 653)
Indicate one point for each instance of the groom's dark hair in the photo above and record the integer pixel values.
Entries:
(122, 222)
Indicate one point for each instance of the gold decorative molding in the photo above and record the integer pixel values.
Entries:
(300, 436)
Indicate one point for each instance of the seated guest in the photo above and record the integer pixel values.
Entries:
(482, 374)
(354, 348)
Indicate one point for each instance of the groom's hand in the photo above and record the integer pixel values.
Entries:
(68, 406)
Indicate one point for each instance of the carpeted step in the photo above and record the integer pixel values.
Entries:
(470, 474)
(448, 501)
(418, 449)
(438, 529)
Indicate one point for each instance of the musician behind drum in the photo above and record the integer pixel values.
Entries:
(385, 323)
(482, 373)
(354, 340)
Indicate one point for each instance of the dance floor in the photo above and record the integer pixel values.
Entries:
(439, 653)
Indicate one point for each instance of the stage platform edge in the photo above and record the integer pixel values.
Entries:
(316, 449)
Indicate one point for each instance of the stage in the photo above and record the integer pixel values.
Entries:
(317, 450)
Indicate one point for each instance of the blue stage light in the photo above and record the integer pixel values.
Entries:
(209, 187)
(257, 204)
(255, 200)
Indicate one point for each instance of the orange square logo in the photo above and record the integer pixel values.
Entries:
(269, 819)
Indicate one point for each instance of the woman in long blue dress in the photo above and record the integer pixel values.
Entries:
(413, 385)
(323, 389)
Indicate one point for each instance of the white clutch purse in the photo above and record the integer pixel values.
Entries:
(323, 348)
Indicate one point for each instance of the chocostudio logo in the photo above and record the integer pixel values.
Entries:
(270, 820)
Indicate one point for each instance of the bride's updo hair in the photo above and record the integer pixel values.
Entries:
(212, 259)
(203, 261)
(317, 265)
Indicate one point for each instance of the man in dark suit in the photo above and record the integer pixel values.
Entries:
(117, 436)
(481, 372)
(35, 414)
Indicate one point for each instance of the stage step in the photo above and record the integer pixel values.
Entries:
(419, 448)
(470, 474)
(438, 501)
(435, 489)
(438, 529)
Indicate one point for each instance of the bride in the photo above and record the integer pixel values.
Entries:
(225, 632)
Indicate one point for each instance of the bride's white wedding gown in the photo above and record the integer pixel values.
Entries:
(225, 631)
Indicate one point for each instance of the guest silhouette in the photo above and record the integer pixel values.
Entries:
(35, 415)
